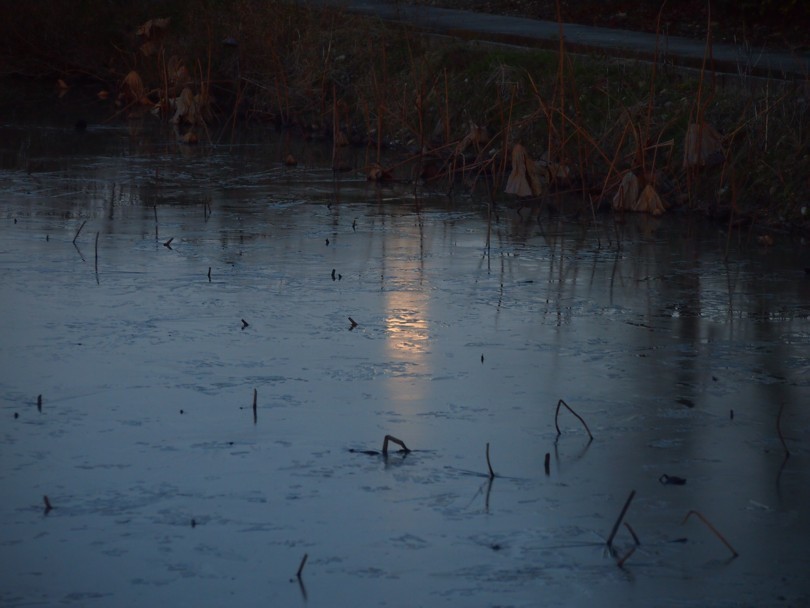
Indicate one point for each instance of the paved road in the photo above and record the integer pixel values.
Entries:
(579, 38)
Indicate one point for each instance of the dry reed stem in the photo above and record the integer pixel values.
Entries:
(779, 430)
(713, 529)
(568, 407)
(48, 505)
(507, 133)
(301, 566)
(164, 77)
(628, 126)
(97, 252)
(204, 100)
(699, 107)
(560, 79)
(79, 231)
(489, 465)
(620, 518)
(578, 132)
(446, 116)
(650, 102)
(335, 125)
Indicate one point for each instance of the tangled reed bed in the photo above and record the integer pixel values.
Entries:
(624, 136)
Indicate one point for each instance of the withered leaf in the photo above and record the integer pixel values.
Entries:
(650, 202)
(626, 197)
(524, 179)
(185, 107)
(151, 27)
(132, 88)
(703, 146)
(376, 173)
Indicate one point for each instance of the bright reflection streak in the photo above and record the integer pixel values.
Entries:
(408, 345)
(407, 331)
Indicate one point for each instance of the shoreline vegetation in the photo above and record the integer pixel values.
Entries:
(517, 125)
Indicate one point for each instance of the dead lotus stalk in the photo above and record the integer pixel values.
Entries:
(620, 518)
(79, 231)
(713, 529)
(568, 407)
(393, 439)
(301, 566)
(627, 555)
(779, 430)
(489, 465)
(632, 533)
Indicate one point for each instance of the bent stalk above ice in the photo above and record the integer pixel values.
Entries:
(568, 407)
(393, 439)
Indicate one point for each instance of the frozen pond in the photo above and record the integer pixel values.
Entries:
(470, 328)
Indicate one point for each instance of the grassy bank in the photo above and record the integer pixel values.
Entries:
(735, 148)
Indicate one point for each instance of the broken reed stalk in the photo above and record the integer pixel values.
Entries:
(489, 465)
(205, 87)
(39, 403)
(393, 439)
(568, 407)
(713, 529)
(79, 231)
(255, 411)
(97, 252)
(335, 126)
(301, 566)
(641, 156)
(620, 563)
(620, 518)
(48, 505)
(632, 533)
(560, 86)
(779, 430)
